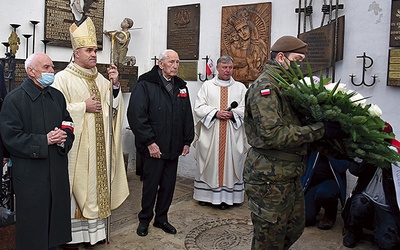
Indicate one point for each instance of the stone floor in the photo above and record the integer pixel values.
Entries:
(203, 227)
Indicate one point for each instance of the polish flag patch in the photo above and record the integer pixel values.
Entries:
(265, 92)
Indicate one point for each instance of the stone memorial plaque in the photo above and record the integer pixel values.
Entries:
(128, 74)
(19, 74)
(59, 17)
(395, 25)
(393, 78)
(183, 29)
(188, 71)
(246, 37)
(321, 45)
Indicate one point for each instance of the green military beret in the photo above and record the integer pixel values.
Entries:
(289, 44)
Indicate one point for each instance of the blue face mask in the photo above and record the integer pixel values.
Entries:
(46, 80)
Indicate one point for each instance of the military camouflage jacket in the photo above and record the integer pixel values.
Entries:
(270, 121)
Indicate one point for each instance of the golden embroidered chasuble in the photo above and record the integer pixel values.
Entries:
(89, 157)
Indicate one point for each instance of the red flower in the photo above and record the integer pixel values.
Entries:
(182, 93)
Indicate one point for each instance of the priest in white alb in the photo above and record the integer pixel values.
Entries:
(220, 141)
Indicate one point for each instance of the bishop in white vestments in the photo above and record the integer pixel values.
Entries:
(94, 193)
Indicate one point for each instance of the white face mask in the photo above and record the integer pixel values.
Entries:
(46, 80)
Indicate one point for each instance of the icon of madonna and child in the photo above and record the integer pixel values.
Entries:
(245, 37)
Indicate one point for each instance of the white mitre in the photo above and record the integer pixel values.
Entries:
(83, 35)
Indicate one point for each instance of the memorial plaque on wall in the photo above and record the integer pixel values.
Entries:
(394, 68)
(59, 17)
(246, 37)
(19, 73)
(321, 45)
(188, 71)
(128, 74)
(395, 24)
(183, 27)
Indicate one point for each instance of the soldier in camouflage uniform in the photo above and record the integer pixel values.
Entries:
(274, 163)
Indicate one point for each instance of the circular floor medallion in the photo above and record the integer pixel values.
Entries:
(220, 234)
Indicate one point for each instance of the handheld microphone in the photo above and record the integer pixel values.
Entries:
(233, 105)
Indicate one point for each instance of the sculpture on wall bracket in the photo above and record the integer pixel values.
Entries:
(122, 39)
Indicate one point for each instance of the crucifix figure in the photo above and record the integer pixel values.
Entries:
(80, 8)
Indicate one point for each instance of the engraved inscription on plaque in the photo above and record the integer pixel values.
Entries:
(188, 71)
(394, 68)
(20, 73)
(395, 25)
(127, 74)
(246, 37)
(183, 31)
(321, 45)
(59, 17)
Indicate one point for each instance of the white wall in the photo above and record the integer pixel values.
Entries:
(365, 31)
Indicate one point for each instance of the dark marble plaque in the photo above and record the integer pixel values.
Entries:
(393, 78)
(246, 37)
(127, 74)
(395, 24)
(321, 45)
(183, 30)
(188, 71)
(59, 17)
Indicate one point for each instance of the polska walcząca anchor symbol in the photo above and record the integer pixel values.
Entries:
(365, 67)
